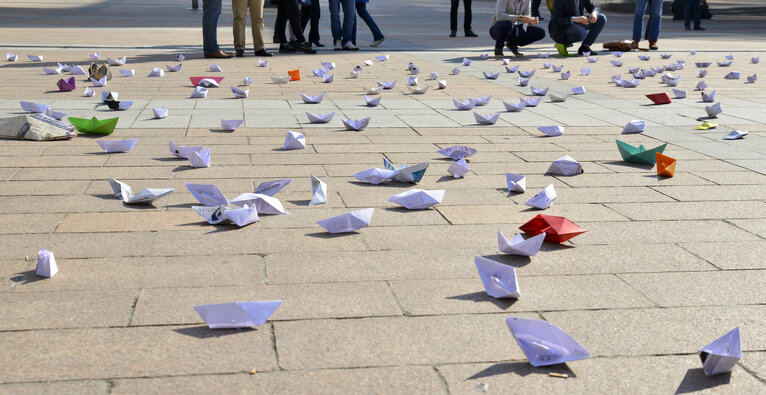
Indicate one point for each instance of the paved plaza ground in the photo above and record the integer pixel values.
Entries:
(666, 265)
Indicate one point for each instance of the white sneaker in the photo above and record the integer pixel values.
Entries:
(337, 46)
(350, 47)
(377, 42)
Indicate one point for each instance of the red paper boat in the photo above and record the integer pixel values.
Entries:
(295, 75)
(659, 98)
(195, 80)
(556, 229)
(66, 85)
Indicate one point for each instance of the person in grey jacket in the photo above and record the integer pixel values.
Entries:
(512, 26)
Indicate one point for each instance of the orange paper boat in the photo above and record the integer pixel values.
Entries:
(659, 98)
(295, 75)
(666, 166)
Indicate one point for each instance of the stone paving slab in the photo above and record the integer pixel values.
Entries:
(86, 354)
(393, 341)
(651, 374)
(339, 300)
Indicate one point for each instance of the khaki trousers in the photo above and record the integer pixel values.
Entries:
(256, 20)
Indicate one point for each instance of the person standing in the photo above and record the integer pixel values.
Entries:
(288, 10)
(569, 25)
(310, 11)
(692, 9)
(536, 10)
(655, 20)
(466, 18)
(511, 25)
(211, 11)
(361, 10)
(239, 7)
(342, 34)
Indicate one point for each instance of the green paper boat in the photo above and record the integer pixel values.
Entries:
(639, 154)
(94, 126)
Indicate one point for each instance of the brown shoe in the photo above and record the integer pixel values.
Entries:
(653, 45)
(220, 55)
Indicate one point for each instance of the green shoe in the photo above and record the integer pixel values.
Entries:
(563, 50)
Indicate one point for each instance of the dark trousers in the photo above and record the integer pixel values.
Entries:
(311, 12)
(587, 34)
(288, 10)
(535, 10)
(505, 32)
(692, 9)
(453, 15)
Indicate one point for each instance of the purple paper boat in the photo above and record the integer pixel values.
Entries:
(544, 343)
(499, 279)
(66, 85)
(238, 314)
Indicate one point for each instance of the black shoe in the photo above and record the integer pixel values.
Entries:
(699, 28)
(305, 47)
(687, 27)
(262, 52)
(499, 52)
(317, 44)
(515, 49)
(540, 18)
(240, 53)
(286, 48)
(453, 33)
(275, 40)
(583, 49)
(470, 34)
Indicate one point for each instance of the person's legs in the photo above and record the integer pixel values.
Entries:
(239, 9)
(655, 20)
(468, 16)
(532, 34)
(535, 10)
(256, 23)
(294, 16)
(361, 10)
(349, 14)
(638, 19)
(501, 32)
(696, 8)
(305, 16)
(281, 22)
(688, 13)
(335, 19)
(453, 15)
(315, 12)
(353, 32)
(594, 29)
(211, 10)
(575, 33)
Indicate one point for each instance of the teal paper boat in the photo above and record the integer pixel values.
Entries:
(639, 154)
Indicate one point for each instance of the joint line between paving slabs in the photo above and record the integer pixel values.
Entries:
(638, 290)
(728, 221)
(133, 306)
(273, 335)
(396, 299)
(751, 372)
(442, 380)
(698, 256)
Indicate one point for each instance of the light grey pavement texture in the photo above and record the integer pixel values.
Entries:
(667, 265)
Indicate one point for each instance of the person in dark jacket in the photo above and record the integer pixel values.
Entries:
(570, 24)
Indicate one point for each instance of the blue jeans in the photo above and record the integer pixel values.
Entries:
(361, 10)
(587, 34)
(344, 34)
(655, 18)
(211, 10)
